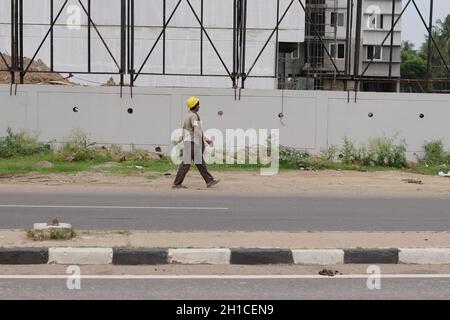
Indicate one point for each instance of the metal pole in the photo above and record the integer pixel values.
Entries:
(16, 32)
(132, 71)
(347, 39)
(392, 40)
(13, 39)
(335, 39)
(430, 37)
(22, 75)
(89, 36)
(164, 37)
(201, 38)
(357, 40)
(244, 42)
(128, 36)
(277, 45)
(52, 66)
(123, 18)
(350, 49)
(234, 43)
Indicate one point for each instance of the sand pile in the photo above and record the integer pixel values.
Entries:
(32, 77)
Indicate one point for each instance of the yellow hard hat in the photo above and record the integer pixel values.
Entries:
(192, 102)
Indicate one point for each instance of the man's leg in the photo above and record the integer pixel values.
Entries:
(200, 162)
(188, 156)
(204, 172)
(181, 174)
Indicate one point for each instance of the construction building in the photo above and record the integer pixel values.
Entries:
(329, 47)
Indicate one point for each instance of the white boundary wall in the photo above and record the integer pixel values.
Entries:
(312, 119)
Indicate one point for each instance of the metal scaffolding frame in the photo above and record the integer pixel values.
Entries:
(238, 73)
(17, 37)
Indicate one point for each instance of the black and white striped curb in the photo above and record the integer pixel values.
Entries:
(145, 256)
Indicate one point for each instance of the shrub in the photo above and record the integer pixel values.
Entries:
(435, 153)
(330, 153)
(386, 153)
(381, 151)
(348, 151)
(78, 149)
(21, 144)
(292, 156)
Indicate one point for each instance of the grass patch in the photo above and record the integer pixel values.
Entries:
(51, 234)
(18, 165)
(21, 153)
(154, 169)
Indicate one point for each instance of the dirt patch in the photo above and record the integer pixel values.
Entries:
(294, 240)
(32, 77)
(330, 183)
(44, 164)
(106, 165)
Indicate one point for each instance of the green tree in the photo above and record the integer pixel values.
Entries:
(414, 64)
(441, 36)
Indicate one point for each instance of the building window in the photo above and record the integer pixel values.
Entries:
(376, 21)
(340, 54)
(374, 52)
(339, 17)
(296, 53)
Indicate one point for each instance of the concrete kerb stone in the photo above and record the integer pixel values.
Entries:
(363, 256)
(425, 256)
(318, 256)
(261, 256)
(92, 256)
(20, 256)
(140, 256)
(199, 256)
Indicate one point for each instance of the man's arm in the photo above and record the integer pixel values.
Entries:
(198, 132)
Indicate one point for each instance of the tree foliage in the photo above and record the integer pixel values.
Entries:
(414, 62)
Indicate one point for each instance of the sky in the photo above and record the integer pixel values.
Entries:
(412, 26)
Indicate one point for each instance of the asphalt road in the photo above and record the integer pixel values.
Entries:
(218, 211)
(223, 289)
(223, 282)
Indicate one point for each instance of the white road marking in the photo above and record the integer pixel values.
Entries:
(107, 207)
(219, 277)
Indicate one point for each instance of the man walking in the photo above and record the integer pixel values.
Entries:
(193, 146)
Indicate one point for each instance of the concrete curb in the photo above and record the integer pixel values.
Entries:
(24, 256)
(369, 256)
(80, 255)
(199, 256)
(134, 257)
(222, 256)
(425, 256)
(318, 256)
(261, 256)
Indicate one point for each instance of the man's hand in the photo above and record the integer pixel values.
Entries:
(209, 141)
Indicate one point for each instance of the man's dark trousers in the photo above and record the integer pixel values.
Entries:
(184, 167)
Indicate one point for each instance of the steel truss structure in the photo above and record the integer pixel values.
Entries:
(238, 73)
